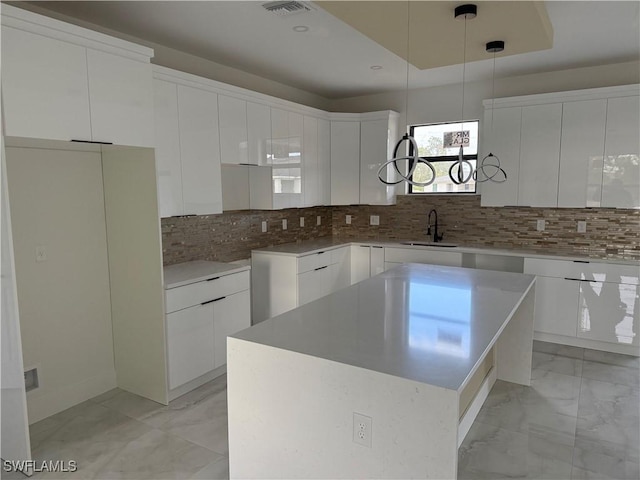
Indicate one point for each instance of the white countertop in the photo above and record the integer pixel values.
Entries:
(427, 323)
(182, 274)
(313, 246)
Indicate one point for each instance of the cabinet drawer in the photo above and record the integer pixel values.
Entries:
(416, 255)
(200, 292)
(601, 272)
(608, 272)
(313, 261)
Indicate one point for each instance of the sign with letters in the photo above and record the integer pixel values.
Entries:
(456, 139)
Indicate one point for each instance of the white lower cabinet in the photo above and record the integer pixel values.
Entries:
(366, 261)
(608, 312)
(190, 344)
(556, 307)
(396, 256)
(283, 282)
(582, 303)
(199, 318)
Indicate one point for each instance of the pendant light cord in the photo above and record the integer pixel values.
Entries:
(406, 94)
(493, 91)
(464, 68)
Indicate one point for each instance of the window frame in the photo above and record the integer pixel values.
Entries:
(444, 158)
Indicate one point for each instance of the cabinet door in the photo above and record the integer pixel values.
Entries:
(324, 162)
(374, 139)
(313, 284)
(235, 187)
(418, 255)
(556, 307)
(190, 344)
(232, 114)
(345, 163)
(286, 146)
(609, 312)
(360, 263)
(230, 315)
(258, 134)
(310, 161)
(121, 99)
(503, 140)
(199, 151)
(376, 265)
(581, 151)
(539, 155)
(621, 175)
(44, 87)
(168, 165)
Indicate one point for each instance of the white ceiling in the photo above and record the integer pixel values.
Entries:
(333, 60)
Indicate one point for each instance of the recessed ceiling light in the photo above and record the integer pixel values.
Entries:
(376, 67)
(300, 28)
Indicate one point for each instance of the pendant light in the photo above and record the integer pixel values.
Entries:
(457, 170)
(413, 158)
(489, 166)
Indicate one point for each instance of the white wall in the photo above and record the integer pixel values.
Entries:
(442, 103)
(57, 201)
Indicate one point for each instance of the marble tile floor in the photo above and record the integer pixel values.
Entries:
(578, 420)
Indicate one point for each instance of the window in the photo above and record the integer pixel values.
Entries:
(430, 141)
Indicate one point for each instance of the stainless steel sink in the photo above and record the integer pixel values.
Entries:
(430, 244)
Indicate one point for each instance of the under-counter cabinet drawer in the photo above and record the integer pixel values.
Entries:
(416, 255)
(200, 292)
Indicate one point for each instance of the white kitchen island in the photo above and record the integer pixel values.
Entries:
(416, 349)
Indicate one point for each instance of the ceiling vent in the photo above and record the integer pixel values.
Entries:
(286, 8)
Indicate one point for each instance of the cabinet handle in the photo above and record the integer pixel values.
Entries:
(89, 141)
(366, 246)
(320, 268)
(377, 247)
(574, 279)
(214, 278)
(581, 261)
(320, 253)
(214, 300)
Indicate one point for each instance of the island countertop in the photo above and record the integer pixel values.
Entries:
(428, 323)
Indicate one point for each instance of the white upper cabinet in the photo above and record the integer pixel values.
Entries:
(570, 149)
(377, 141)
(581, 150)
(64, 82)
(311, 173)
(232, 113)
(539, 155)
(44, 87)
(200, 151)
(258, 134)
(286, 149)
(168, 164)
(345, 162)
(324, 162)
(503, 140)
(621, 174)
(121, 99)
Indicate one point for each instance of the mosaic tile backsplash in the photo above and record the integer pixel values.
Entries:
(611, 233)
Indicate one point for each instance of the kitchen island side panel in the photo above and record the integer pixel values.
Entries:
(291, 416)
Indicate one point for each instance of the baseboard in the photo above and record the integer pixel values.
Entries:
(197, 382)
(584, 343)
(44, 402)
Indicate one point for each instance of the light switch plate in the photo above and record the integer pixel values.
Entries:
(540, 224)
(264, 226)
(284, 223)
(347, 219)
(374, 220)
(302, 221)
(582, 226)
